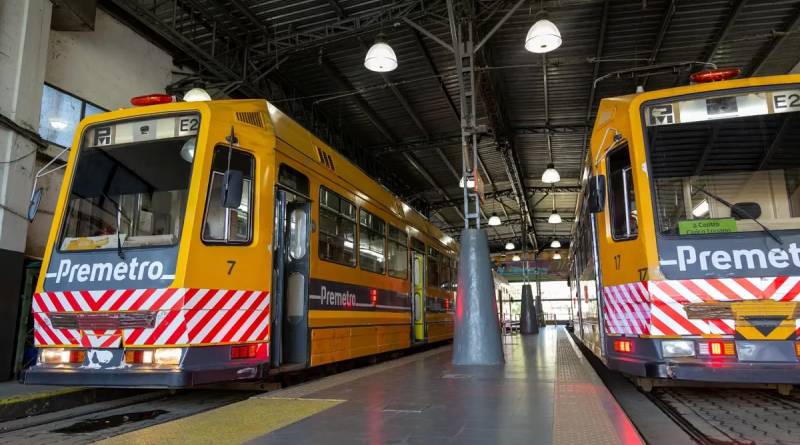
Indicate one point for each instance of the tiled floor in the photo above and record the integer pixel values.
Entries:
(430, 401)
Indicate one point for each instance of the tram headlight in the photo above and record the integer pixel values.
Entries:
(167, 356)
(677, 348)
(53, 356)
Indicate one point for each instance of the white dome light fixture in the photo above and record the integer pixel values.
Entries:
(555, 244)
(509, 246)
(554, 218)
(494, 220)
(196, 95)
(550, 175)
(381, 57)
(543, 37)
(557, 256)
(515, 258)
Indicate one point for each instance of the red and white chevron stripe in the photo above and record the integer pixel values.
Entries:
(626, 309)
(184, 316)
(657, 307)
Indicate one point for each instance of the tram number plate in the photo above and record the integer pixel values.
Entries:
(786, 101)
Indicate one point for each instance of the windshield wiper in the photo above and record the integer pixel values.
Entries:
(740, 211)
(118, 221)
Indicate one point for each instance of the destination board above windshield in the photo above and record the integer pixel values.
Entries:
(722, 107)
(125, 132)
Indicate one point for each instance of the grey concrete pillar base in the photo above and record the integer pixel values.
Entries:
(477, 330)
(528, 322)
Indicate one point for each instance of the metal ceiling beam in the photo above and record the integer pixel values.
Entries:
(726, 28)
(491, 93)
(343, 84)
(509, 193)
(426, 58)
(601, 38)
(244, 9)
(337, 8)
(666, 22)
(776, 44)
(414, 163)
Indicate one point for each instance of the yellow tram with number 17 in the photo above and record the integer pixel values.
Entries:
(685, 262)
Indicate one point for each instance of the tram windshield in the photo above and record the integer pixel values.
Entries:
(130, 185)
(726, 164)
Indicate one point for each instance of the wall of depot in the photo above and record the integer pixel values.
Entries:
(107, 67)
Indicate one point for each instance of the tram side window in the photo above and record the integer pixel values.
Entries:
(398, 253)
(433, 267)
(372, 242)
(337, 228)
(624, 217)
(223, 225)
(444, 273)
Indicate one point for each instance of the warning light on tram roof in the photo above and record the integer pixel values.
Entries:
(151, 99)
(715, 75)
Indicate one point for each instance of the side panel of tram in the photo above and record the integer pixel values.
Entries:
(691, 287)
(155, 277)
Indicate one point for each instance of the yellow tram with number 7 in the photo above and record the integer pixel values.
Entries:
(685, 261)
(209, 241)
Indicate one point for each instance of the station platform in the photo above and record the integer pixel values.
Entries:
(547, 393)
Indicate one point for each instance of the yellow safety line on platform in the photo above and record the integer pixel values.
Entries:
(38, 395)
(232, 424)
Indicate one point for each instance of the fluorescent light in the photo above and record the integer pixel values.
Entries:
(494, 220)
(543, 37)
(509, 246)
(555, 244)
(554, 218)
(58, 124)
(380, 57)
(701, 209)
(550, 175)
(196, 95)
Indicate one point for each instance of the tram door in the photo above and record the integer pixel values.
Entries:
(291, 277)
(418, 292)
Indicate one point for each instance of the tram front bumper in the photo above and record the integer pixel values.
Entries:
(780, 364)
(128, 378)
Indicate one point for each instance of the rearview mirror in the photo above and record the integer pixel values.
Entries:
(597, 194)
(233, 183)
(33, 207)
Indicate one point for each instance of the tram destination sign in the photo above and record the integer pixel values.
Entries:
(128, 131)
(722, 107)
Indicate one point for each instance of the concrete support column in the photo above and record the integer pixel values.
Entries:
(477, 339)
(24, 34)
(528, 322)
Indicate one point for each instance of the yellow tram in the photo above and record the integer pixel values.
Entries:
(685, 262)
(198, 242)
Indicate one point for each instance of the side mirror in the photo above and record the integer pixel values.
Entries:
(33, 207)
(597, 194)
(233, 183)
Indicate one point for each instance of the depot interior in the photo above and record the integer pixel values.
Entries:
(368, 79)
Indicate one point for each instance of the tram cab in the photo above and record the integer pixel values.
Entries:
(686, 262)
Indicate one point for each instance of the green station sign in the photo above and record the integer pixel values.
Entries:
(706, 226)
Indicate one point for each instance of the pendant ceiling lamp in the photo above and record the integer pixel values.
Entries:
(380, 57)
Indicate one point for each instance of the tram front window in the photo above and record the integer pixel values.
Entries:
(129, 191)
(725, 164)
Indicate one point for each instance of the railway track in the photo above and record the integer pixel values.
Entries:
(96, 421)
(732, 415)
